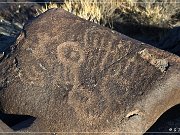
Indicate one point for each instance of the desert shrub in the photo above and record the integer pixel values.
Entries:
(46, 7)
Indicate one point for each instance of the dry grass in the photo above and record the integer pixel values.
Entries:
(95, 11)
(155, 12)
(46, 8)
(103, 12)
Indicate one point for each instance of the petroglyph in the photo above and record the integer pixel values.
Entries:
(103, 53)
(87, 70)
(88, 104)
(105, 49)
(80, 70)
(81, 77)
(34, 77)
(38, 51)
(70, 53)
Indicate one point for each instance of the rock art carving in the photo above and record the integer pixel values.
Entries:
(76, 76)
(70, 53)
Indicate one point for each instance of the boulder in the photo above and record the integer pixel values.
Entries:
(77, 76)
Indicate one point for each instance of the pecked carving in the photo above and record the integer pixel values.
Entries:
(70, 53)
(81, 77)
(88, 104)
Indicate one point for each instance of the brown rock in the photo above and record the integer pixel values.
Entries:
(76, 76)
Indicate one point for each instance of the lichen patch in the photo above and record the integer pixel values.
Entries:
(160, 63)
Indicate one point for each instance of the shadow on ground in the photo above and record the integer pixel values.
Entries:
(17, 122)
(167, 39)
(168, 122)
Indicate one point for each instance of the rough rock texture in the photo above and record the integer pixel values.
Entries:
(76, 76)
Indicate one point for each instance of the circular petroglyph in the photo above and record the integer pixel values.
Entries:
(89, 106)
(70, 53)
